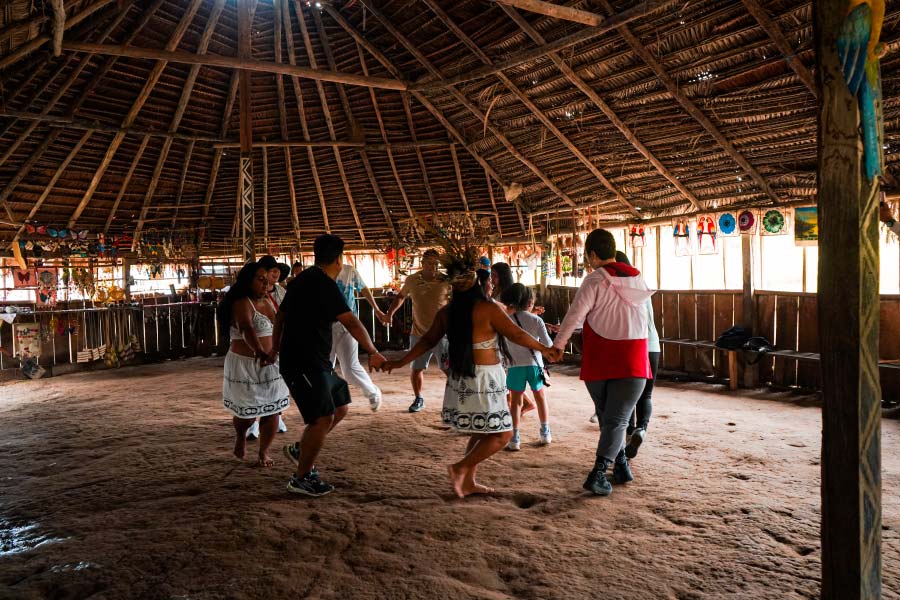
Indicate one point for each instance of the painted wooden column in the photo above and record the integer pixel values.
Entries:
(245, 177)
(748, 300)
(848, 332)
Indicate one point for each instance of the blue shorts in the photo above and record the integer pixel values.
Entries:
(439, 352)
(517, 377)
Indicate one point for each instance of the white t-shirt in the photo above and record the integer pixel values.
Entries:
(535, 327)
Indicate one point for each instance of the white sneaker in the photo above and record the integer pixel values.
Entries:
(546, 437)
(514, 444)
(594, 418)
(375, 402)
(282, 428)
(253, 432)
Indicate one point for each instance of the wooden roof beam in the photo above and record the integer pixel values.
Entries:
(537, 112)
(692, 109)
(230, 62)
(419, 145)
(410, 47)
(23, 171)
(183, 100)
(282, 17)
(124, 185)
(390, 154)
(490, 187)
(29, 47)
(459, 181)
(217, 155)
(184, 171)
(557, 11)
(588, 91)
(412, 132)
(392, 69)
(626, 16)
(784, 46)
(152, 79)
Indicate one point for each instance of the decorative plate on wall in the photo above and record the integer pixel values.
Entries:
(747, 221)
(728, 224)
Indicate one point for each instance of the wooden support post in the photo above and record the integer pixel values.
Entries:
(848, 331)
(748, 299)
(245, 176)
(59, 25)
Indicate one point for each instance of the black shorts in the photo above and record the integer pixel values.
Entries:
(317, 393)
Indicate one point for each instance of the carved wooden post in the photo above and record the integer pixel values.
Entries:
(848, 332)
(748, 299)
(245, 177)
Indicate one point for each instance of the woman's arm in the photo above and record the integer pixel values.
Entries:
(503, 325)
(243, 318)
(425, 343)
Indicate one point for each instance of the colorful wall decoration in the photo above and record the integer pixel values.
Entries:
(775, 221)
(706, 235)
(806, 226)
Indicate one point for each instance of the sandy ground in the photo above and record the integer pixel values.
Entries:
(120, 484)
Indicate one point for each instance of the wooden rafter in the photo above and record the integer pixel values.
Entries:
(124, 185)
(183, 100)
(152, 79)
(411, 48)
(393, 146)
(781, 42)
(56, 175)
(84, 125)
(535, 110)
(59, 25)
(626, 16)
(490, 187)
(588, 91)
(265, 190)
(384, 136)
(557, 11)
(38, 90)
(23, 171)
(691, 108)
(217, 154)
(283, 19)
(412, 132)
(393, 70)
(27, 48)
(181, 181)
(243, 64)
(459, 180)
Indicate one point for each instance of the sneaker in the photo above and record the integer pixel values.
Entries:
(514, 444)
(637, 438)
(417, 405)
(282, 428)
(597, 484)
(292, 453)
(309, 486)
(622, 473)
(594, 418)
(546, 438)
(375, 402)
(253, 432)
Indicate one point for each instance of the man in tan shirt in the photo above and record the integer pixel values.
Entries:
(430, 292)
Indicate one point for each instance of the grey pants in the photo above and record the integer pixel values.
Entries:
(614, 399)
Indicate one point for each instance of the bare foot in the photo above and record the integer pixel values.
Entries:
(457, 480)
(265, 461)
(477, 488)
(240, 444)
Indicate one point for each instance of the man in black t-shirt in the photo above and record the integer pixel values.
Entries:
(303, 337)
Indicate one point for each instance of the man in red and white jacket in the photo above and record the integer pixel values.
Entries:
(610, 308)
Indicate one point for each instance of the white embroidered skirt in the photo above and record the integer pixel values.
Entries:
(478, 404)
(250, 391)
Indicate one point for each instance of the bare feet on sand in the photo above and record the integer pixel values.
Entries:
(463, 482)
(240, 444)
(265, 460)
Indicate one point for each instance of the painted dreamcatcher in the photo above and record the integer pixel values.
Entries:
(681, 233)
(706, 235)
(728, 224)
(747, 221)
(775, 222)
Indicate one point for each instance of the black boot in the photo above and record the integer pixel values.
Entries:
(596, 481)
(621, 471)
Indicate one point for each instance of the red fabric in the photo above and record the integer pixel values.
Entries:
(603, 359)
(619, 269)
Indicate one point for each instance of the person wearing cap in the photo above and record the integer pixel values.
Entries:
(344, 346)
(429, 290)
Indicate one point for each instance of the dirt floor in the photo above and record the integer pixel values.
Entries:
(120, 484)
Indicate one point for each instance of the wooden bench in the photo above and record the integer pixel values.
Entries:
(733, 356)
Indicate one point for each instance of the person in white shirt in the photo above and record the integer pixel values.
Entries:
(526, 367)
(345, 348)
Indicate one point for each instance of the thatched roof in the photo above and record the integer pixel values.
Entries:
(114, 147)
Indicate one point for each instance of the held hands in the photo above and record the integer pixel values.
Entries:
(384, 318)
(376, 362)
(391, 365)
(552, 354)
(266, 358)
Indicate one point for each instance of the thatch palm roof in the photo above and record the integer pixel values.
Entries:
(691, 106)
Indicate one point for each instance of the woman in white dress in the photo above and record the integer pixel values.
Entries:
(250, 390)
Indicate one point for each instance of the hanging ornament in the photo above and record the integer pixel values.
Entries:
(728, 224)
(636, 234)
(747, 221)
(775, 222)
(706, 235)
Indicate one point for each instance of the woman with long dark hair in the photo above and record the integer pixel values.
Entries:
(475, 396)
(249, 389)
(501, 278)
